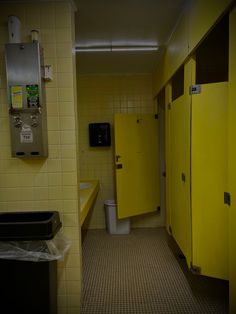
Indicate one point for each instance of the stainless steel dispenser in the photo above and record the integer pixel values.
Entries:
(26, 94)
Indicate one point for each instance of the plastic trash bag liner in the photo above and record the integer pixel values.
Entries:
(35, 251)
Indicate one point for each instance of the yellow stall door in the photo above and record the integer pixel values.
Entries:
(137, 164)
(209, 169)
(180, 176)
(232, 162)
(168, 154)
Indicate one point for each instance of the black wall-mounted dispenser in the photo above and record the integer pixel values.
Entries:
(99, 134)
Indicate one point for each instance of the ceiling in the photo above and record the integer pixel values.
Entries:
(124, 23)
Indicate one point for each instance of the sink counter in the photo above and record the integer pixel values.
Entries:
(88, 192)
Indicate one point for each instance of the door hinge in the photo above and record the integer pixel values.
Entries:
(169, 106)
(195, 269)
(156, 116)
(170, 230)
(227, 198)
(181, 256)
(195, 89)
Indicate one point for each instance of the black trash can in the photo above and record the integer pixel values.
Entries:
(28, 282)
(28, 287)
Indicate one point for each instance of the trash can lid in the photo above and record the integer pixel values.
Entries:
(24, 226)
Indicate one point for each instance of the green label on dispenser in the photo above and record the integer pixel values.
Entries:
(32, 92)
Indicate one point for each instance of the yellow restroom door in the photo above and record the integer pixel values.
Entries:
(137, 164)
(209, 168)
(232, 162)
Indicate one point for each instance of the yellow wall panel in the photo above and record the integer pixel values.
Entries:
(231, 161)
(197, 19)
(177, 49)
(159, 77)
(202, 15)
(209, 166)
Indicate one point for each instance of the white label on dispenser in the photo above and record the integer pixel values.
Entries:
(26, 134)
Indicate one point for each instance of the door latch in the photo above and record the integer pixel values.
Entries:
(117, 158)
(227, 198)
(119, 166)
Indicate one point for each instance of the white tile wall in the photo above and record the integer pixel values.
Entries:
(99, 98)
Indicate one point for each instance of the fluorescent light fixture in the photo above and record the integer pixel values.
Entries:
(143, 48)
(116, 48)
(92, 49)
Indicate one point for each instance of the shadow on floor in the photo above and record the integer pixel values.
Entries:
(200, 285)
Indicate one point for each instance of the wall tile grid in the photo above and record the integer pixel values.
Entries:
(51, 183)
(99, 98)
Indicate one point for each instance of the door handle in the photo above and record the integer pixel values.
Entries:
(117, 158)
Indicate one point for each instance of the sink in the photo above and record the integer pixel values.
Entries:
(81, 199)
(85, 185)
(24, 226)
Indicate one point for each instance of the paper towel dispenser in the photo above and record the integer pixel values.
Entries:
(99, 134)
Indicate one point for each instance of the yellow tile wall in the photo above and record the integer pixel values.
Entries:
(50, 183)
(99, 98)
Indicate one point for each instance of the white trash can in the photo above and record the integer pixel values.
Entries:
(115, 225)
